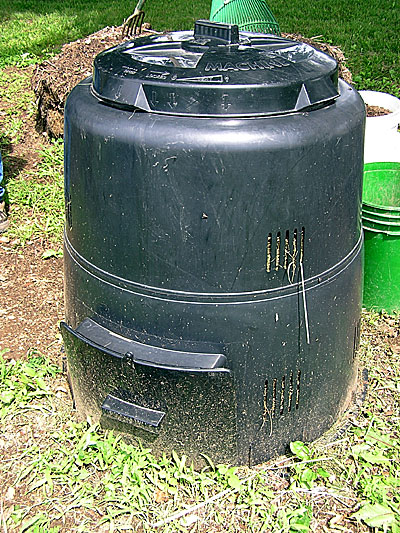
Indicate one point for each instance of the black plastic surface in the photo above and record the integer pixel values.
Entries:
(190, 203)
(145, 354)
(209, 74)
(236, 238)
(192, 412)
(225, 33)
(131, 413)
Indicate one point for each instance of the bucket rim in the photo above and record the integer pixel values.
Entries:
(377, 226)
(390, 208)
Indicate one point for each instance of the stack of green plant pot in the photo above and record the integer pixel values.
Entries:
(381, 222)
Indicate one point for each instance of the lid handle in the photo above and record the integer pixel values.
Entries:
(217, 31)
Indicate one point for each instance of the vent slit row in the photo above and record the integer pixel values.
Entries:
(291, 255)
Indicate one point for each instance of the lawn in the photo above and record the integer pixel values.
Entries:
(61, 474)
(366, 30)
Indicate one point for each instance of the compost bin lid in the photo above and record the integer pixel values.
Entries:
(215, 70)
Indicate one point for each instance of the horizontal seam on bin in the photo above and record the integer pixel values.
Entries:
(201, 298)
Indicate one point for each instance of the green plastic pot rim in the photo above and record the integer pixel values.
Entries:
(379, 206)
(380, 220)
(380, 230)
(381, 165)
(381, 215)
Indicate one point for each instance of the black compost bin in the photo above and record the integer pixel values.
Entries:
(213, 242)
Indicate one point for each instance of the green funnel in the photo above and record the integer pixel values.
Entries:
(249, 15)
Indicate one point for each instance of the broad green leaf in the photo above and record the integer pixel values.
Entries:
(7, 397)
(374, 458)
(300, 519)
(52, 253)
(375, 515)
(300, 450)
(29, 371)
(41, 384)
(323, 473)
(234, 481)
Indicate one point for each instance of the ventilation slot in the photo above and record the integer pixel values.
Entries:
(68, 212)
(356, 341)
(287, 251)
(302, 245)
(283, 396)
(282, 402)
(278, 251)
(292, 254)
(290, 400)
(265, 399)
(273, 406)
(269, 252)
(298, 388)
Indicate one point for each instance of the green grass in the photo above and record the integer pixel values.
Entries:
(18, 103)
(59, 474)
(22, 383)
(73, 475)
(32, 30)
(367, 31)
(38, 201)
(35, 195)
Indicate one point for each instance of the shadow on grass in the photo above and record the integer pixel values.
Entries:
(12, 164)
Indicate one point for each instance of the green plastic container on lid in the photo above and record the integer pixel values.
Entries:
(249, 15)
(381, 222)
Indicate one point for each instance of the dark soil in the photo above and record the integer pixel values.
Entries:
(53, 80)
(376, 111)
(31, 299)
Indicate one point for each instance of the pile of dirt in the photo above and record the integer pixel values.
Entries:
(376, 111)
(53, 79)
(333, 51)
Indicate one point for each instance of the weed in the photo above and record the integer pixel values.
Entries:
(38, 194)
(23, 384)
(75, 467)
(67, 470)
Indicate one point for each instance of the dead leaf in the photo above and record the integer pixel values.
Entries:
(161, 496)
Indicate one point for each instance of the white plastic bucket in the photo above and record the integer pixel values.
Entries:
(382, 139)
